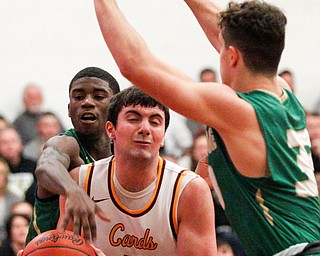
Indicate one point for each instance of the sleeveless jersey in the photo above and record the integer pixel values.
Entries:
(150, 230)
(46, 211)
(270, 214)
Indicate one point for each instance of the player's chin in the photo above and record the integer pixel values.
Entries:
(89, 128)
(142, 155)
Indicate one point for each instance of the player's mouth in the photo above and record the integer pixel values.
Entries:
(88, 118)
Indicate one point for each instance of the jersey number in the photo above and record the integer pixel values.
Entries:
(306, 188)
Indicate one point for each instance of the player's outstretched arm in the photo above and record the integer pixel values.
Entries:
(60, 154)
(196, 234)
(207, 14)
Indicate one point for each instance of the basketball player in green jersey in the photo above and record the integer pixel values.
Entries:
(259, 145)
(89, 92)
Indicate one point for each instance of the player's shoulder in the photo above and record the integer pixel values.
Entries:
(62, 142)
(177, 169)
(104, 162)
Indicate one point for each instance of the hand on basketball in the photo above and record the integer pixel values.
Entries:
(20, 253)
(81, 210)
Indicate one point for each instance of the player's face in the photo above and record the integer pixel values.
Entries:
(139, 133)
(89, 101)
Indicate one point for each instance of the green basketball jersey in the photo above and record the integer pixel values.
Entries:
(46, 212)
(270, 214)
(84, 154)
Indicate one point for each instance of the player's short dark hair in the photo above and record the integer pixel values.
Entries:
(133, 96)
(257, 29)
(98, 73)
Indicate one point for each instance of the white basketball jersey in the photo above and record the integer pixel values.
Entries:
(149, 230)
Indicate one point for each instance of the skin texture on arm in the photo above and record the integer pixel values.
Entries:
(196, 235)
(217, 105)
(156, 77)
(60, 154)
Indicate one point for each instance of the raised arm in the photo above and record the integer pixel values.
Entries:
(207, 14)
(159, 79)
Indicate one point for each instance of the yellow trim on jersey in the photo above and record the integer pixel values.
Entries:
(88, 175)
(152, 199)
(176, 199)
(35, 225)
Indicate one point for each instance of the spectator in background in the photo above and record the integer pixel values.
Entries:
(317, 108)
(22, 207)
(7, 197)
(3, 122)
(21, 169)
(48, 126)
(199, 150)
(228, 244)
(17, 229)
(206, 75)
(178, 139)
(287, 75)
(26, 122)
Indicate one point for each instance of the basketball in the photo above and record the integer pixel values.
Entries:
(58, 243)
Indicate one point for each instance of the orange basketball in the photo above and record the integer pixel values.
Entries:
(58, 243)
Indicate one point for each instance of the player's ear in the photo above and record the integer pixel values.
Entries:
(110, 129)
(234, 55)
(68, 110)
(162, 142)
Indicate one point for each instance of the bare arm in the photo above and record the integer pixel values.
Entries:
(196, 235)
(213, 104)
(60, 154)
(157, 78)
(207, 14)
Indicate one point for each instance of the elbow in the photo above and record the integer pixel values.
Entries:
(135, 66)
(127, 71)
(130, 68)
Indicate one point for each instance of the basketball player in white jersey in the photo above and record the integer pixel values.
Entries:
(156, 207)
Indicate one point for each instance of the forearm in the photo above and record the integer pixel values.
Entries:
(135, 60)
(206, 12)
(124, 43)
(53, 176)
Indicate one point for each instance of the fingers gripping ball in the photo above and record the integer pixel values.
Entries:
(58, 243)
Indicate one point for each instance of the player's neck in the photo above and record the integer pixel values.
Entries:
(135, 176)
(99, 148)
(251, 82)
